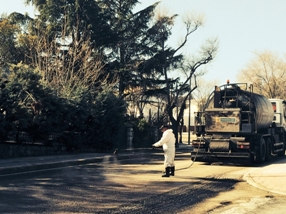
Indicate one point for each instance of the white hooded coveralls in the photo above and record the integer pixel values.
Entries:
(168, 142)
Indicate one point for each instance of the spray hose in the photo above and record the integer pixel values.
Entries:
(193, 161)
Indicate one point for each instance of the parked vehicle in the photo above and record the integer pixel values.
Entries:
(236, 122)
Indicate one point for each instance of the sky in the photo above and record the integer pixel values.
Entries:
(242, 28)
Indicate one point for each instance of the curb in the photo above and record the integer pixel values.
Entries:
(55, 164)
(249, 179)
(34, 165)
(48, 165)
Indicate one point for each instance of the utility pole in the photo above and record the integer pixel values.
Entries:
(189, 122)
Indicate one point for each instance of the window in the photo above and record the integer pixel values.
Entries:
(274, 107)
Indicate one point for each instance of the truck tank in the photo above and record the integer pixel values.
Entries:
(254, 107)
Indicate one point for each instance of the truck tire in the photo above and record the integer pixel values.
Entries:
(268, 149)
(261, 151)
(282, 139)
(282, 153)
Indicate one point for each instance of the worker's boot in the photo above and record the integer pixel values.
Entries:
(172, 171)
(167, 172)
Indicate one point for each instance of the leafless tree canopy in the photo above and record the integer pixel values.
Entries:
(203, 91)
(68, 65)
(267, 73)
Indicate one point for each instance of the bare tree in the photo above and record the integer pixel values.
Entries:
(203, 91)
(137, 101)
(68, 65)
(267, 73)
(190, 67)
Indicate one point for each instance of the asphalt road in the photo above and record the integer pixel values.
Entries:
(118, 186)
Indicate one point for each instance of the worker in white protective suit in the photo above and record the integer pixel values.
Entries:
(168, 142)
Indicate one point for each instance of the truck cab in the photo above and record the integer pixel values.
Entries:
(279, 107)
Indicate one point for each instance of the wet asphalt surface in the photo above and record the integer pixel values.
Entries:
(128, 185)
(176, 200)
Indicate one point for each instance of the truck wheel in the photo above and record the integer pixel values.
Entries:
(261, 151)
(282, 153)
(268, 150)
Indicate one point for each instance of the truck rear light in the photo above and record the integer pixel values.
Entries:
(243, 145)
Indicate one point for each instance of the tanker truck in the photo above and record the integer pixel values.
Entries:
(238, 123)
